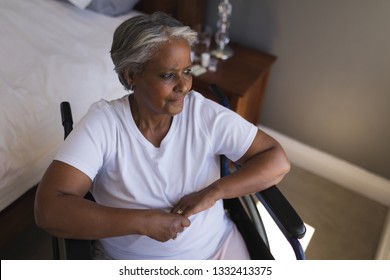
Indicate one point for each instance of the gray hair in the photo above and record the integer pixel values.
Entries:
(136, 40)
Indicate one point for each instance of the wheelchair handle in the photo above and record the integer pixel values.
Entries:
(66, 116)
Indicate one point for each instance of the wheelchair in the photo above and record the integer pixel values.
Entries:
(243, 211)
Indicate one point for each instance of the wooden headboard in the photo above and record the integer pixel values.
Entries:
(189, 12)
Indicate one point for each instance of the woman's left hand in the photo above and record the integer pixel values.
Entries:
(194, 203)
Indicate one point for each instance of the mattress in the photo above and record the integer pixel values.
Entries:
(50, 52)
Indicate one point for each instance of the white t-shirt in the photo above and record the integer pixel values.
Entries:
(129, 172)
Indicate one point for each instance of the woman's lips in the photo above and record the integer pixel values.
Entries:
(177, 100)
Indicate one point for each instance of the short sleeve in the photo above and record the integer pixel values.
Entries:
(229, 133)
(88, 145)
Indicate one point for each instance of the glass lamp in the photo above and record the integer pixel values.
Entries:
(222, 38)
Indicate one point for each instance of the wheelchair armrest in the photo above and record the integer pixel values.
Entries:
(282, 212)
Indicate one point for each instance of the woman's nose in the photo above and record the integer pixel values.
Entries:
(183, 84)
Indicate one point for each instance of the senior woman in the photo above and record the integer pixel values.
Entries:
(151, 158)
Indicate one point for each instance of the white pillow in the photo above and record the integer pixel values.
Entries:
(112, 7)
(107, 7)
(82, 4)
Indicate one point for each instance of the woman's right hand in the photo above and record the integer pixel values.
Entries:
(163, 226)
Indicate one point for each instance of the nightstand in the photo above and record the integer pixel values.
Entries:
(242, 78)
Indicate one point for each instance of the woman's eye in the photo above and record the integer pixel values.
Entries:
(167, 76)
(170, 76)
(187, 72)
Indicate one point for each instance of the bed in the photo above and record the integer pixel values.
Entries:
(51, 51)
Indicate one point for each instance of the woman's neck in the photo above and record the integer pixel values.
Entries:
(153, 127)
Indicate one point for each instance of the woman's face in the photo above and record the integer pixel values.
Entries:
(165, 79)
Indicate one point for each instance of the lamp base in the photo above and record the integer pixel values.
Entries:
(224, 54)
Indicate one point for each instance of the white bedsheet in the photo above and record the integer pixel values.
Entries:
(49, 52)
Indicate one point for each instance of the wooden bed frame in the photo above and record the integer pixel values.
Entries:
(19, 216)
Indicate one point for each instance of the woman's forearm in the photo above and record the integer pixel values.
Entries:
(69, 216)
(256, 174)
(89, 220)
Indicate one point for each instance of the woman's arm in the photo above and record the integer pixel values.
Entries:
(263, 165)
(60, 208)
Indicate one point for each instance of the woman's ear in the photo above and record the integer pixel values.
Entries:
(128, 76)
